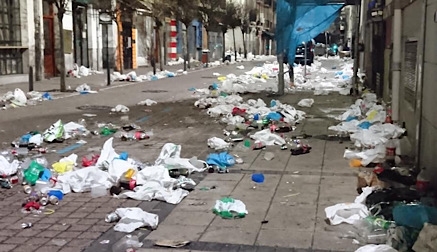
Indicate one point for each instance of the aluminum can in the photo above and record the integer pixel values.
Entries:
(27, 189)
(112, 217)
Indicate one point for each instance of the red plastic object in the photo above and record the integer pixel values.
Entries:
(238, 111)
(90, 162)
(32, 205)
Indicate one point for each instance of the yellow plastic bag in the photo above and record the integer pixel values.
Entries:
(63, 167)
(221, 78)
(355, 163)
(372, 115)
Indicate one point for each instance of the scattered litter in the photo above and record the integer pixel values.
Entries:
(306, 103)
(229, 208)
(147, 102)
(133, 218)
(105, 241)
(120, 109)
(269, 156)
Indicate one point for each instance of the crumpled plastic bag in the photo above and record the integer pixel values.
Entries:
(66, 164)
(376, 248)
(155, 183)
(306, 103)
(170, 157)
(346, 213)
(6, 168)
(84, 88)
(169, 150)
(120, 109)
(84, 71)
(19, 98)
(132, 218)
(222, 159)
(217, 143)
(229, 208)
(361, 199)
(426, 242)
(54, 132)
(82, 180)
(268, 138)
(147, 102)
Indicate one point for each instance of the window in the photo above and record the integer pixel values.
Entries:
(10, 28)
(10, 38)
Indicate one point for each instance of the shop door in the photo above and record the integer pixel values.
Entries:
(127, 45)
(49, 48)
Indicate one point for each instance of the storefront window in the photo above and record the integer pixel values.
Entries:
(10, 37)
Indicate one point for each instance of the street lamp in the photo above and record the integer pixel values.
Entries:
(105, 19)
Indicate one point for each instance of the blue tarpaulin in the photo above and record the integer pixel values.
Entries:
(300, 21)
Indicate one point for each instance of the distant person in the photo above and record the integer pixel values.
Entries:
(290, 70)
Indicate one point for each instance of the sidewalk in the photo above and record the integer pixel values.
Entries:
(95, 81)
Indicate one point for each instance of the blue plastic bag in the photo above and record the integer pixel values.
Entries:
(365, 125)
(414, 216)
(274, 116)
(222, 159)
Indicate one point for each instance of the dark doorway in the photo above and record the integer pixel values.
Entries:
(378, 42)
(49, 40)
(127, 45)
(80, 34)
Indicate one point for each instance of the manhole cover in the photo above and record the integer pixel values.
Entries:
(94, 107)
(155, 91)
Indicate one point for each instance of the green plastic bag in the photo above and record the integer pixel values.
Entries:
(54, 132)
(33, 172)
(229, 208)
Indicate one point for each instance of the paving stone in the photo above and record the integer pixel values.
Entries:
(80, 227)
(289, 238)
(70, 220)
(68, 209)
(25, 248)
(48, 249)
(48, 233)
(100, 228)
(79, 243)
(59, 242)
(189, 218)
(88, 221)
(37, 241)
(68, 234)
(27, 233)
(233, 235)
(50, 220)
(78, 215)
(7, 247)
(59, 227)
(16, 240)
(90, 235)
(96, 216)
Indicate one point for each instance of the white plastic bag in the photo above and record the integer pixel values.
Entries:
(217, 143)
(346, 213)
(306, 103)
(376, 248)
(120, 108)
(147, 102)
(132, 218)
(20, 98)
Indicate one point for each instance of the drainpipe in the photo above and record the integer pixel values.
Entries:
(396, 66)
(419, 88)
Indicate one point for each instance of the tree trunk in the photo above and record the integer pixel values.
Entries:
(187, 47)
(159, 47)
(244, 45)
(235, 44)
(61, 63)
(224, 46)
(185, 51)
(208, 40)
(152, 52)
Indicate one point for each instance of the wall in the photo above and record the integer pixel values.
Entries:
(144, 27)
(94, 39)
(68, 26)
(229, 40)
(411, 28)
(429, 120)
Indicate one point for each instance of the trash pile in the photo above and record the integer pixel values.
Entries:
(124, 177)
(18, 98)
(78, 72)
(395, 204)
(133, 77)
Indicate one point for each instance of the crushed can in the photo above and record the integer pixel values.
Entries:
(27, 189)
(14, 180)
(112, 217)
(53, 200)
(26, 225)
(44, 201)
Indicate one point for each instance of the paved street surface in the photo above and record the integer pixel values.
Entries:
(286, 212)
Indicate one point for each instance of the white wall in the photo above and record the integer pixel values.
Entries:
(68, 25)
(229, 40)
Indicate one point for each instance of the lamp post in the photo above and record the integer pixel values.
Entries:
(105, 19)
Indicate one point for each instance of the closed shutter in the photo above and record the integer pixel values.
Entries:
(409, 72)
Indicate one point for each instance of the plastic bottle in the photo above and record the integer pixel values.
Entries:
(422, 181)
(127, 242)
(369, 233)
(390, 152)
(32, 174)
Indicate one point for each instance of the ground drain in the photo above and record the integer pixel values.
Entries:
(94, 107)
(155, 91)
